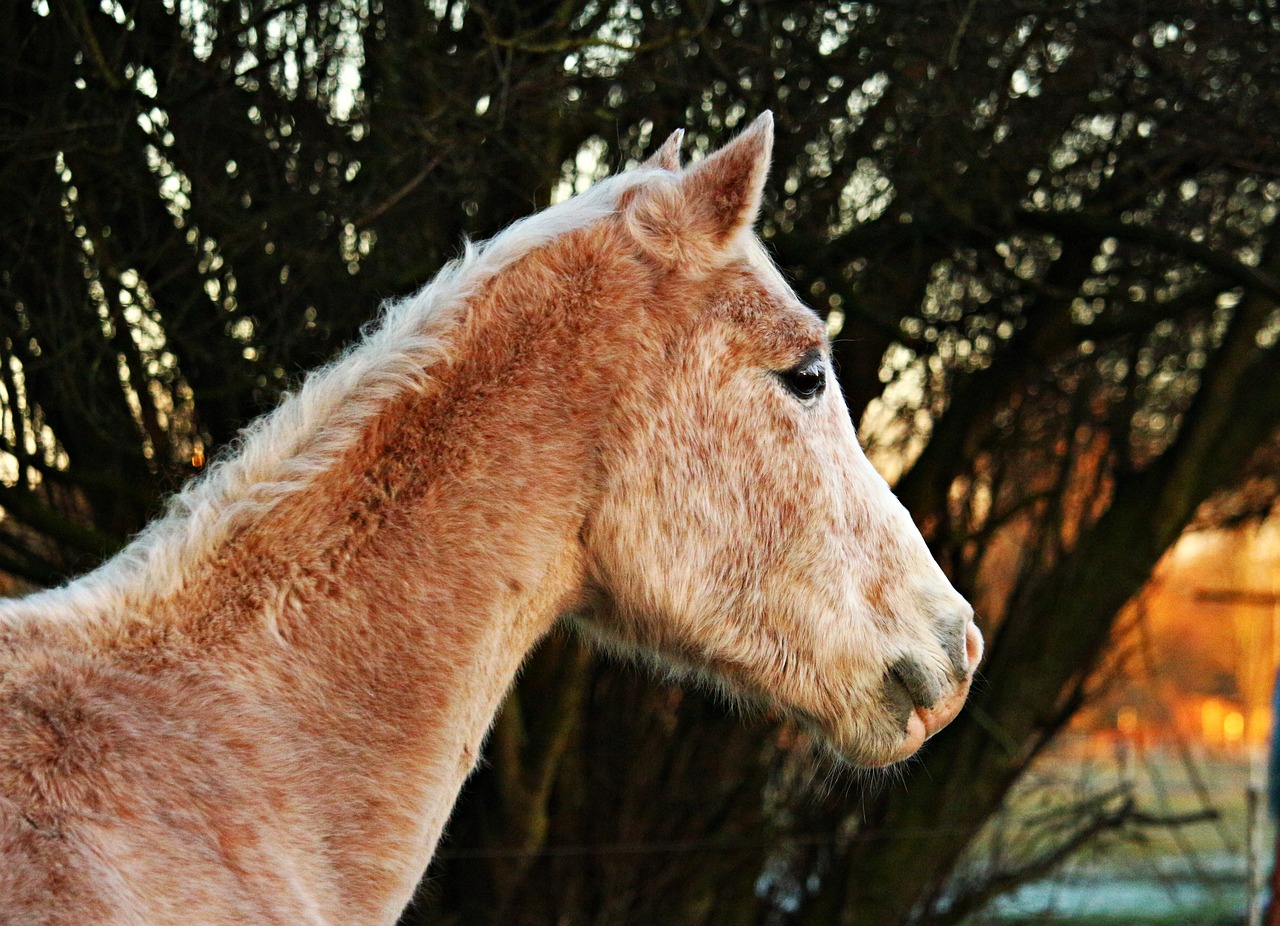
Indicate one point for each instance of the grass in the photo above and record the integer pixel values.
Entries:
(1222, 918)
(1189, 875)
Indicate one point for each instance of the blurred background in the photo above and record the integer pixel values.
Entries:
(1043, 235)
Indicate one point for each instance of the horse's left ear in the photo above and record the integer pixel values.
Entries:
(723, 192)
(686, 220)
(667, 157)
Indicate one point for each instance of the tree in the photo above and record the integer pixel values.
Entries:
(1045, 234)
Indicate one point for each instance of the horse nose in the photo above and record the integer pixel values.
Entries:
(907, 686)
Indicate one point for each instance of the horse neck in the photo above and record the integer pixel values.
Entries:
(385, 609)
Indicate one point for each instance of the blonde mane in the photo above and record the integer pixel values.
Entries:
(280, 453)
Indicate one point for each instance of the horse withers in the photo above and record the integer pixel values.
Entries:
(263, 709)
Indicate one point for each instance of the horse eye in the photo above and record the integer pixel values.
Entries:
(806, 381)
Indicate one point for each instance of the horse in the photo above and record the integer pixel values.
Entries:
(615, 413)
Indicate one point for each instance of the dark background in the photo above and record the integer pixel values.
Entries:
(1049, 230)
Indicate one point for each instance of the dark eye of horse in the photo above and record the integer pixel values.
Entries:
(805, 381)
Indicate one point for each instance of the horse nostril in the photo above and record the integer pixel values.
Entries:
(909, 685)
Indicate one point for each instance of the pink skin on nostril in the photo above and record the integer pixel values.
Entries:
(973, 646)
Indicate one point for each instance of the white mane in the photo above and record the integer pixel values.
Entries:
(280, 453)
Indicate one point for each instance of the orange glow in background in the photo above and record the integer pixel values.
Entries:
(1201, 647)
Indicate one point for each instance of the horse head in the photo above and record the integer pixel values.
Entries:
(741, 531)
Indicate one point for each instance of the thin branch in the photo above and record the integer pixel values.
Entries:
(382, 208)
(1126, 814)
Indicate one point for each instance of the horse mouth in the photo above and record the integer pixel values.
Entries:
(923, 723)
(913, 703)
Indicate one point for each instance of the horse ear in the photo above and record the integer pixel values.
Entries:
(723, 192)
(668, 156)
(688, 218)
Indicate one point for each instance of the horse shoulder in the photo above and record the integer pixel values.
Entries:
(146, 790)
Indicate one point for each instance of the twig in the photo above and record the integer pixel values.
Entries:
(1126, 814)
(953, 57)
(378, 211)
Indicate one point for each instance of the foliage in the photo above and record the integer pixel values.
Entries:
(1044, 231)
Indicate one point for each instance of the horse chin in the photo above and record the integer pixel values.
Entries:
(908, 746)
(878, 744)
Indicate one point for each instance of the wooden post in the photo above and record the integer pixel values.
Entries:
(1254, 803)
(1253, 848)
